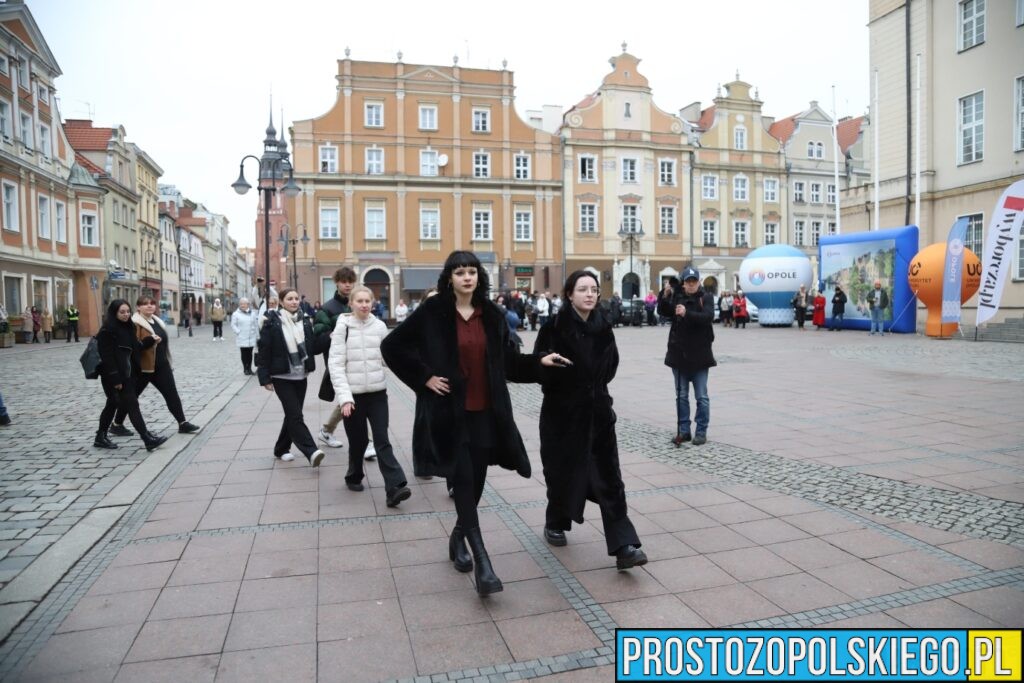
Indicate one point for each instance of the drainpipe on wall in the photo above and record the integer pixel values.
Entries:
(692, 158)
(566, 203)
(908, 88)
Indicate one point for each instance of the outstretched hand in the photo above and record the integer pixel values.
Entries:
(553, 360)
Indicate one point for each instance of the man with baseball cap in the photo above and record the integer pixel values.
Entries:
(692, 311)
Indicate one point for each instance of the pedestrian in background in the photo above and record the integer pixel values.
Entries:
(740, 316)
(878, 301)
(287, 353)
(401, 311)
(689, 353)
(578, 445)
(119, 350)
(325, 322)
(217, 316)
(838, 308)
(725, 308)
(650, 305)
(28, 325)
(800, 301)
(245, 326)
(154, 367)
(71, 314)
(356, 369)
(818, 318)
(47, 325)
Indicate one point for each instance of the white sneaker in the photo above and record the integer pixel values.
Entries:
(287, 457)
(316, 458)
(329, 439)
(371, 452)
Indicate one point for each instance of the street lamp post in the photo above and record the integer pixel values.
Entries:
(149, 259)
(285, 238)
(290, 189)
(631, 229)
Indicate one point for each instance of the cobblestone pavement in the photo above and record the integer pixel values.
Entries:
(849, 481)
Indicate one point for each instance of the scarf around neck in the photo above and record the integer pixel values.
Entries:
(293, 328)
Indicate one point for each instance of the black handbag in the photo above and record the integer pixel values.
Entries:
(90, 359)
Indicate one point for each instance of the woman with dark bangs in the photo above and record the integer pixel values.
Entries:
(456, 353)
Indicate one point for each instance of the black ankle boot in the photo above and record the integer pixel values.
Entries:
(103, 441)
(486, 581)
(457, 551)
(152, 440)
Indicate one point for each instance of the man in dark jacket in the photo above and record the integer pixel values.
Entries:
(838, 309)
(689, 351)
(326, 319)
(878, 301)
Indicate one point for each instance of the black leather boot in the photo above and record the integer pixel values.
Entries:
(486, 581)
(102, 440)
(152, 440)
(457, 551)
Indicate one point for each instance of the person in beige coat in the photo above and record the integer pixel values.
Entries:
(357, 374)
(47, 325)
(217, 316)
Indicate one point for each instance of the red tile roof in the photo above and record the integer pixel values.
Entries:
(848, 131)
(88, 165)
(83, 136)
(707, 117)
(782, 130)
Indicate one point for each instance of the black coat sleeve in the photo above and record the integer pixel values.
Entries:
(264, 346)
(519, 367)
(401, 350)
(700, 316)
(106, 343)
(665, 305)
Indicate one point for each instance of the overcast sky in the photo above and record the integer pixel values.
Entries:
(189, 80)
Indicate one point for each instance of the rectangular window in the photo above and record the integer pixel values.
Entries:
(810, 150)
(44, 94)
(629, 170)
(26, 130)
(709, 187)
(60, 214)
(523, 224)
(771, 233)
(972, 128)
(44, 217)
(972, 23)
(3, 65)
(44, 140)
(117, 254)
(667, 224)
(771, 189)
(831, 227)
(481, 120)
(90, 235)
(830, 193)
(815, 233)
(588, 217)
(1020, 21)
(667, 172)
(798, 233)
(375, 221)
(428, 162)
(588, 169)
(10, 198)
(815, 193)
(741, 233)
(739, 137)
(375, 161)
(328, 159)
(1018, 103)
(23, 72)
(630, 218)
(5, 120)
(709, 233)
(482, 222)
(974, 238)
(481, 165)
(330, 222)
(522, 166)
(428, 117)
(739, 188)
(798, 191)
(430, 221)
(373, 114)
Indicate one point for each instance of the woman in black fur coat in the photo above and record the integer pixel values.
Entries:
(577, 424)
(454, 351)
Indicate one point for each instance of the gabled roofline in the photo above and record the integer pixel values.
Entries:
(17, 9)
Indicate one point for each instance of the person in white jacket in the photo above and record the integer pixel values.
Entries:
(245, 323)
(360, 386)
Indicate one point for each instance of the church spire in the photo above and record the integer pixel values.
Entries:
(282, 144)
(271, 138)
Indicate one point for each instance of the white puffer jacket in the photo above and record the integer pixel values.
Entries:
(355, 363)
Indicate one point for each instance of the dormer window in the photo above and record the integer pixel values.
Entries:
(627, 114)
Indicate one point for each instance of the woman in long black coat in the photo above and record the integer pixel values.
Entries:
(577, 424)
(455, 352)
(119, 350)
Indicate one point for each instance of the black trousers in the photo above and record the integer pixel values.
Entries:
(218, 328)
(801, 316)
(163, 380)
(117, 401)
(471, 463)
(247, 358)
(372, 408)
(292, 393)
(72, 329)
(610, 498)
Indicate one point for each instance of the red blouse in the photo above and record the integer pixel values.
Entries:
(473, 359)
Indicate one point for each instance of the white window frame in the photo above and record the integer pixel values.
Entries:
(45, 141)
(1019, 106)
(82, 216)
(376, 208)
(815, 233)
(325, 212)
(522, 221)
(630, 170)
(522, 166)
(60, 214)
(588, 218)
(43, 94)
(483, 223)
(481, 164)
(709, 228)
(1020, 16)
(587, 168)
(740, 188)
(5, 68)
(815, 193)
(819, 150)
(974, 237)
(739, 137)
(771, 190)
(428, 162)
(430, 220)
(12, 219)
(23, 72)
(831, 227)
(771, 232)
(810, 150)
(373, 114)
(798, 190)
(667, 172)
(799, 232)
(26, 130)
(976, 128)
(374, 166)
(736, 227)
(44, 217)
(6, 122)
(709, 187)
(481, 120)
(428, 116)
(667, 220)
(328, 159)
(630, 217)
(830, 193)
(973, 22)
